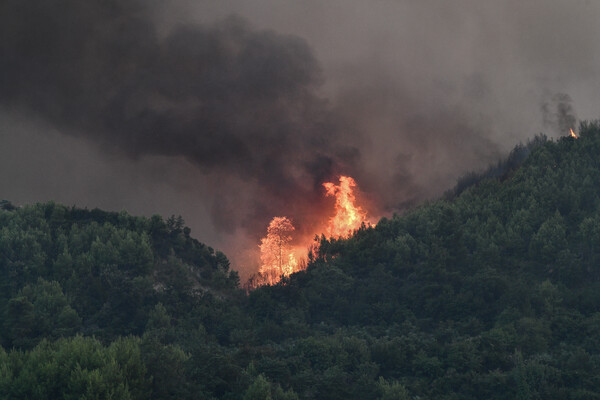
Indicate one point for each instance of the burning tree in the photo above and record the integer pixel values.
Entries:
(348, 216)
(279, 259)
(276, 257)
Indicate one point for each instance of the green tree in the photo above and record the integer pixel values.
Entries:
(391, 391)
(40, 310)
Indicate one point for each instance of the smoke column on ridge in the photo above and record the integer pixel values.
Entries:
(403, 96)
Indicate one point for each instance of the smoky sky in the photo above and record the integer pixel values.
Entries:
(238, 111)
(230, 99)
(559, 113)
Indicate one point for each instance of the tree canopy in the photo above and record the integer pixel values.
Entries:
(492, 292)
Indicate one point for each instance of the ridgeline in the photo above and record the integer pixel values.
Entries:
(490, 293)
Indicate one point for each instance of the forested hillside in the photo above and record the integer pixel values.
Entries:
(493, 293)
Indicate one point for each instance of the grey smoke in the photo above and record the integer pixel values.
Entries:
(231, 99)
(235, 111)
(559, 114)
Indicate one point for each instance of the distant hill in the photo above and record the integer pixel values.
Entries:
(491, 293)
(108, 269)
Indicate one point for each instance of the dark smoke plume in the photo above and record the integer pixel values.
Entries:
(220, 118)
(233, 100)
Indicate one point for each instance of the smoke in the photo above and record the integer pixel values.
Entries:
(250, 106)
(237, 102)
(559, 114)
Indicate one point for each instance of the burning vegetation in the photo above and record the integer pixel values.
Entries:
(573, 135)
(277, 255)
(348, 216)
(277, 259)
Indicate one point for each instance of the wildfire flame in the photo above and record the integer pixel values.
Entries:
(573, 134)
(279, 258)
(275, 254)
(348, 216)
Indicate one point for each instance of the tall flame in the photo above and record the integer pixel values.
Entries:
(279, 259)
(348, 216)
(573, 134)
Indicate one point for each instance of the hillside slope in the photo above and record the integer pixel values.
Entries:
(67, 270)
(493, 294)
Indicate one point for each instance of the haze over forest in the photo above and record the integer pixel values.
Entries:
(232, 112)
(165, 166)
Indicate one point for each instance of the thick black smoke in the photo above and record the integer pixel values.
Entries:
(219, 116)
(233, 100)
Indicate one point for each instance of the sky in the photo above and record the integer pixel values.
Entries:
(232, 112)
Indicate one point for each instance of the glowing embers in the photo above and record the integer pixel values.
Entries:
(279, 259)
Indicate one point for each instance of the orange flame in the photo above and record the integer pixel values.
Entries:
(276, 257)
(348, 216)
(279, 259)
(573, 134)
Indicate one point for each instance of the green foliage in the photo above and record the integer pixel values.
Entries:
(510, 263)
(76, 368)
(259, 390)
(391, 391)
(491, 293)
(40, 311)
(166, 366)
(110, 269)
(262, 389)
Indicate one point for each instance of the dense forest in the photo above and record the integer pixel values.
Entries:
(492, 292)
